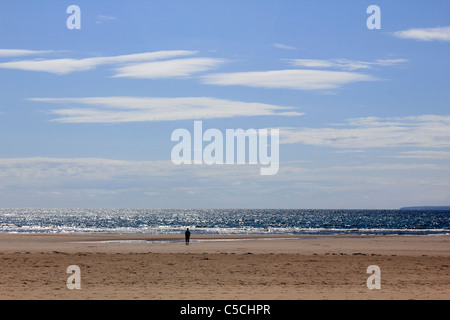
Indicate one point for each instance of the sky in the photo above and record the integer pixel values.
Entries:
(87, 114)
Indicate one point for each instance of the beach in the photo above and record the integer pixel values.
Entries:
(236, 267)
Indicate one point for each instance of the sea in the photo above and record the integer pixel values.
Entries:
(226, 221)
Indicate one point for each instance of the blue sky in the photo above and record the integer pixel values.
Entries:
(86, 115)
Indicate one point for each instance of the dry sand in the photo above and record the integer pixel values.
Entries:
(224, 267)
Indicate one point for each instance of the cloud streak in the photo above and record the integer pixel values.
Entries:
(426, 131)
(20, 52)
(168, 68)
(424, 154)
(425, 34)
(50, 181)
(66, 66)
(101, 18)
(307, 80)
(310, 77)
(283, 46)
(343, 63)
(145, 109)
(179, 64)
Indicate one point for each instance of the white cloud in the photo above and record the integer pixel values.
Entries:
(283, 46)
(168, 68)
(308, 78)
(427, 131)
(138, 109)
(65, 66)
(73, 182)
(424, 154)
(388, 62)
(20, 52)
(104, 18)
(288, 79)
(425, 34)
(343, 63)
(312, 63)
(37, 168)
(390, 166)
(86, 173)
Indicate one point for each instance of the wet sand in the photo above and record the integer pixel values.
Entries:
(224, 267)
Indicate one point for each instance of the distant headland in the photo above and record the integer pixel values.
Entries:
(427, 208)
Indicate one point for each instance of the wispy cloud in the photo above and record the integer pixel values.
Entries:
(141, 109)
(110, 176)
(65, 66)
(389, 167)
(21, 52)
(168, 68)
(83, 168)
(424, 154)
(310, 77)
(427, 131)
(343, 63)
(283, 46)
(69, 181)
(288, 79)
(425, 34)
(104, 18)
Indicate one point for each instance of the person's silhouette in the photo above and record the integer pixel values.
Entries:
(187, 236)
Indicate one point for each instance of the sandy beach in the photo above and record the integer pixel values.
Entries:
(224, 267)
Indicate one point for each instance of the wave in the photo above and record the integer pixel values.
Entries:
(224, 231)
(214, 221)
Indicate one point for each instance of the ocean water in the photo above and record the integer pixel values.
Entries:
(221, 221)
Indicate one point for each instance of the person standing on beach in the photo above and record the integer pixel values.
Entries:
(187, 236)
